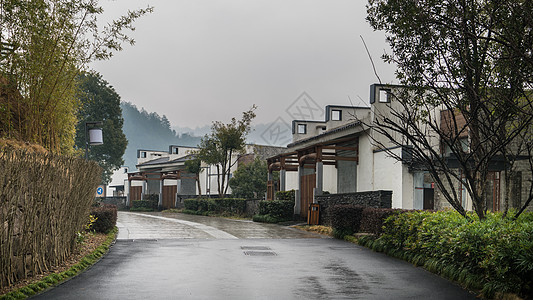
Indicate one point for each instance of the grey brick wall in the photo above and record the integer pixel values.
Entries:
(378, 199)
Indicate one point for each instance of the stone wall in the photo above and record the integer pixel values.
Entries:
(120, 202)
(378, 199)
(252, 206)
(180, 198)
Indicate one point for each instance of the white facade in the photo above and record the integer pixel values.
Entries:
(119, 179)
(344, 128)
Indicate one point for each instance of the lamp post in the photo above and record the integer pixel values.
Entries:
(95, 136)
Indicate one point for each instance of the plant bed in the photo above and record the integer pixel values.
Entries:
(93, 247)
(321, 229)
(493, 257)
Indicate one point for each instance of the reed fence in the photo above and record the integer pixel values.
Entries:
(44, 201)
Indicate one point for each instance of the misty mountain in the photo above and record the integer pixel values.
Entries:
(150, 131)
(273, 134)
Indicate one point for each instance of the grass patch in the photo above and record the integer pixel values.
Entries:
(321, 229)
(142, 209)
(54, 279)
(267, 219)
(172, 210)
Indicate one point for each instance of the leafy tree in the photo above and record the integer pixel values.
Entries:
(100, 102)
(219, 147)
(249, 180)
(44, 45)
(472, 59)
(194, 166)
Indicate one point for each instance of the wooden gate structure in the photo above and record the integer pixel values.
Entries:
(167, 193)
(313, 157)
(308, 184)
(135, 192)
(169, 196)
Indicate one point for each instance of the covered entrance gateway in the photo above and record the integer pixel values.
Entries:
(309, 161)
(167, 189)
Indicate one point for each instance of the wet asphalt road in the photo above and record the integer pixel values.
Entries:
(176, 256)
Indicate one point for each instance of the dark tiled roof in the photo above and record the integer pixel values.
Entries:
(334, 130)
(166, 160)
(156, 161)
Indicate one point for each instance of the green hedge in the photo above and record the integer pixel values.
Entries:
(494, 255)
(196, 204)
(150, 202)
(233, 206)
(285, 195)
(274, 211)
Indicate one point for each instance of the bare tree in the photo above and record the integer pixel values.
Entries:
(466, 105)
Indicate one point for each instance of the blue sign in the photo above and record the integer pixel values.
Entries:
(99, 191)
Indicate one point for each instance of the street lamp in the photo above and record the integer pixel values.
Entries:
(95, 136)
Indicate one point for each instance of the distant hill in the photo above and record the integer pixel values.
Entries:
(273, 134)
(149, 131)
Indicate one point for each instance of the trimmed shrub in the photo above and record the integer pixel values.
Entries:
(285, 195)
(274, 211)
(234, 206)
(345, 219)
(494, 255)
(106, 218)
(141, 205)
(373, 218)
(150, 202)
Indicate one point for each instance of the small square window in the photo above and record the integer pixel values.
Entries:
(384, 96)
(143, 154)
(302, 128)
(175, 150)
(336, 115)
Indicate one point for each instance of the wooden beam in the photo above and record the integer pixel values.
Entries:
(341, 148)
(340, 158)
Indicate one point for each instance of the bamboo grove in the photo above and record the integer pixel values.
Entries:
(44, 45)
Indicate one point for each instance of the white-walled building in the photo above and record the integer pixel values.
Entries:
(118, 183)
(341, 155)
(164, 173)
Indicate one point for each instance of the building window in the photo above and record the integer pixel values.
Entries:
(143, 154)
(125, 170)
(302, 128)
(175, 150)
(336, 115)
(384, 96)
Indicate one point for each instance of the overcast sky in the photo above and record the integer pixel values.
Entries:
(196, 61)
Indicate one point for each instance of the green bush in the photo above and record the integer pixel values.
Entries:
(198, 204)
(149, 203)
(106, 218)
(275, 211)
(345, 219)
(494, 255)
(285, 195)
(234, 206)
